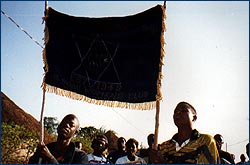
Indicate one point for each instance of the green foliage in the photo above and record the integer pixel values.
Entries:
(17, 143)
(86, 135)
(51, 124)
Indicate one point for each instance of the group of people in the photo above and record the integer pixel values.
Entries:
(63, 151)
(187, 146)
(226, 157)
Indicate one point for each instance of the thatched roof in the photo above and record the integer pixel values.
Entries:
(12, 113)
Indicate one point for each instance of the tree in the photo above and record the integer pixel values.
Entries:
(51, 124)
(86, 135)
(18, 143)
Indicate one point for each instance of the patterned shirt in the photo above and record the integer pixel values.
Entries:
(199, 149)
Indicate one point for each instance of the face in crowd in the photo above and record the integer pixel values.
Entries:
(68, 127)
(150, 140)
(184, 114)
(219, 140)
(121, 144)
(131, 147)
(99, 144)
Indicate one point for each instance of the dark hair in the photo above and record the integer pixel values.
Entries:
(218, 137)
(69, 117)
(188, 106)
(77, 144)
(98, 138)
(72, 116)
(150, 138)
(242, 157)
(131, 141)
(121, 139)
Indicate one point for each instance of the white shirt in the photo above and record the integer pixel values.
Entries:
(125, 160)
(93, 159)
(178, 147)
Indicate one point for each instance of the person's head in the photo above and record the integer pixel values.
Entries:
(219, 140)
(233, 156)
(247, 149)
(68, 127)
(184, 114)
(242, 158)
(121, 143)
(150, 140)
(131, 146)
(78, 145)
(99, 144)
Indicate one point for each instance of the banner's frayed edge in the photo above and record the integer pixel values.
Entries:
(135, 106)
(76, 96)
(160, 75)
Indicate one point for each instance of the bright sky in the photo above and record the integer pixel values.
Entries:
(206, 64)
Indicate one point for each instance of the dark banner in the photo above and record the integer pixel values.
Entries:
(108, 58)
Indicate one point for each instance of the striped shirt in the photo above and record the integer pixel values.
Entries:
(199, 149)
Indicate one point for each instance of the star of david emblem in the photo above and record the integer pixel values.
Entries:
(97, 63)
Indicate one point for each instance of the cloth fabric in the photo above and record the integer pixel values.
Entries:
(110, 58)
(72, 156)
(125, 160)
(144, 153)
(178, 147)
(201, 149)
(93, 159)
(113, 156)
(226, 157)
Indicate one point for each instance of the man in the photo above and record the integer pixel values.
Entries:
(187, 145)
(63, 151)
(242, 159)
(113, 156)
(100, 146)
(144, 153)
(225, 157)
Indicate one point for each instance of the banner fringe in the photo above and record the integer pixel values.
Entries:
(73, 95)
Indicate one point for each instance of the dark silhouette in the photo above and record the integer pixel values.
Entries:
(225, 157)
(144, 153)
(247, 149)
(242, 159)
(120, 152)
(247, 152)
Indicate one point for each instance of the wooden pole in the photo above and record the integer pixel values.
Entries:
(41, 119)
(164, 4)
(158, 98)
(43, 100)
(157, 114)
(46, 7)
